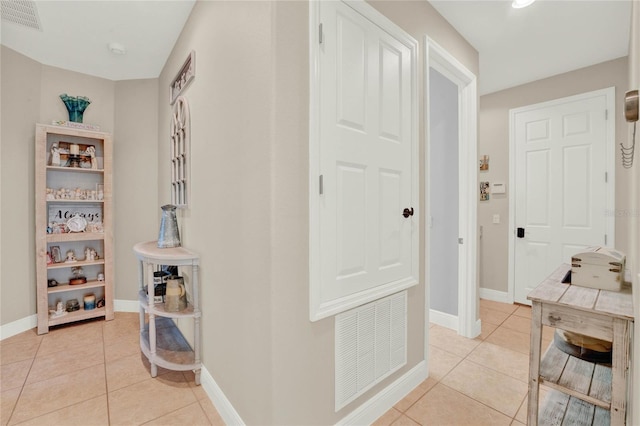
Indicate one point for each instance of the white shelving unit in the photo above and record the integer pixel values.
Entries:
(161, 340)
(51, 210)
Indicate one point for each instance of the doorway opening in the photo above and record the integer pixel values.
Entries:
(451, 187)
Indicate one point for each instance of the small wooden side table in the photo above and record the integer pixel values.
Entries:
(588, 390)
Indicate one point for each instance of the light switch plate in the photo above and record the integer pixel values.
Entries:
(496, 218)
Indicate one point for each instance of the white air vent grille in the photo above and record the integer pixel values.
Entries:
(371, 343)
(21, 12)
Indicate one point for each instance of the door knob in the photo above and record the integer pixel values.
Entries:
(407, 212)
(520, 233)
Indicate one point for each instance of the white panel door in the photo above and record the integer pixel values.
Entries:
(561, 189)
(366, 142)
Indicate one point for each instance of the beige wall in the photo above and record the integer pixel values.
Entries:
(135, 159)
(249, 213)
(21, 81)
(493, 140)
(30, 95)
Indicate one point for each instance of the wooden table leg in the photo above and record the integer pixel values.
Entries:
(534, 363)
(619, 371)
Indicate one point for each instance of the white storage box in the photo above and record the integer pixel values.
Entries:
(598, 267)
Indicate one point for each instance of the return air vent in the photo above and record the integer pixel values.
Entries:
(21, 12)
(371, 343)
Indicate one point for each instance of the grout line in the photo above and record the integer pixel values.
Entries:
(24, 383)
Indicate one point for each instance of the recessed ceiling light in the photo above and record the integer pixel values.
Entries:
(117, 49)
(519, 4)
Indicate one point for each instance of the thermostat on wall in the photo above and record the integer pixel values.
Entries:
(498, 188)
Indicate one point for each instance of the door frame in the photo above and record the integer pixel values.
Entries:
(468, 324)
(610, 166)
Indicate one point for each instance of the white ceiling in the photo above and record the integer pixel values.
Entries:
(549, 37)
(515, 45)
(75, 36)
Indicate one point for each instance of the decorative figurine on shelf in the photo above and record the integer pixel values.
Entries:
(71, 257)
(55, 155)
(91, 151)
(77, 277)
(49, 259)
(60, 311)
(75, 106)
(100, 277)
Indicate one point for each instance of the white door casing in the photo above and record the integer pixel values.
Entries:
(438, 58)
(363, 158)
(563, 173)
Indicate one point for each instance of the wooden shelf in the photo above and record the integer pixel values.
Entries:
(158, 308)
(587, 381)
(79, 263)
(61, 288)
(172, 350)
(73, 169)
(69, 201)
(75, 236)
(559, 406)
(77, 316)
(47, 177)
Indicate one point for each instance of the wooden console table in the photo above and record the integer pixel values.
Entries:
(588, 390)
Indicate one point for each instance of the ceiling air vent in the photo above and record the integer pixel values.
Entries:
(21, 12)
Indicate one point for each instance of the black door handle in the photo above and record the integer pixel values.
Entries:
(520, 233)
(406, 212)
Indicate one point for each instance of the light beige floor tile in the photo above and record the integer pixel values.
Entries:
(53, 394)
(91, 412)
(14, 375)
(405, 421)
(487, 386)
(25, 336)
(189, 415)
(8, 401)
(509, 308)
(493, 316)
(125, 325)
(523, 311)
(129, 370)
(517, 423)
(510, 339)
(68, 338)
(121, 347)
(450, 341)
(415, 395)
(516, 323)
(513, 364)
(445, 406)
(18, 351)
(441, 362)
(198, 390)
(387, 418)
(64, 362)
(149, 399)
(486, 330)
(211, 412)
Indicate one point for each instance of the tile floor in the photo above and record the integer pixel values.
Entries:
(480, 381)
(104, 380)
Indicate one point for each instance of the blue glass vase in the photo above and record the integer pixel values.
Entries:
(76, 106)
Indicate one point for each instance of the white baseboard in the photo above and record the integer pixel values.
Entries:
(18, 326)
(495, 295)
(371, 410)
(27, 323)
(222, 404)
(443, 319)
(126, 305)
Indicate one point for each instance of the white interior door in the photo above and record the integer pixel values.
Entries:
(563, 183)
(367, 162)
